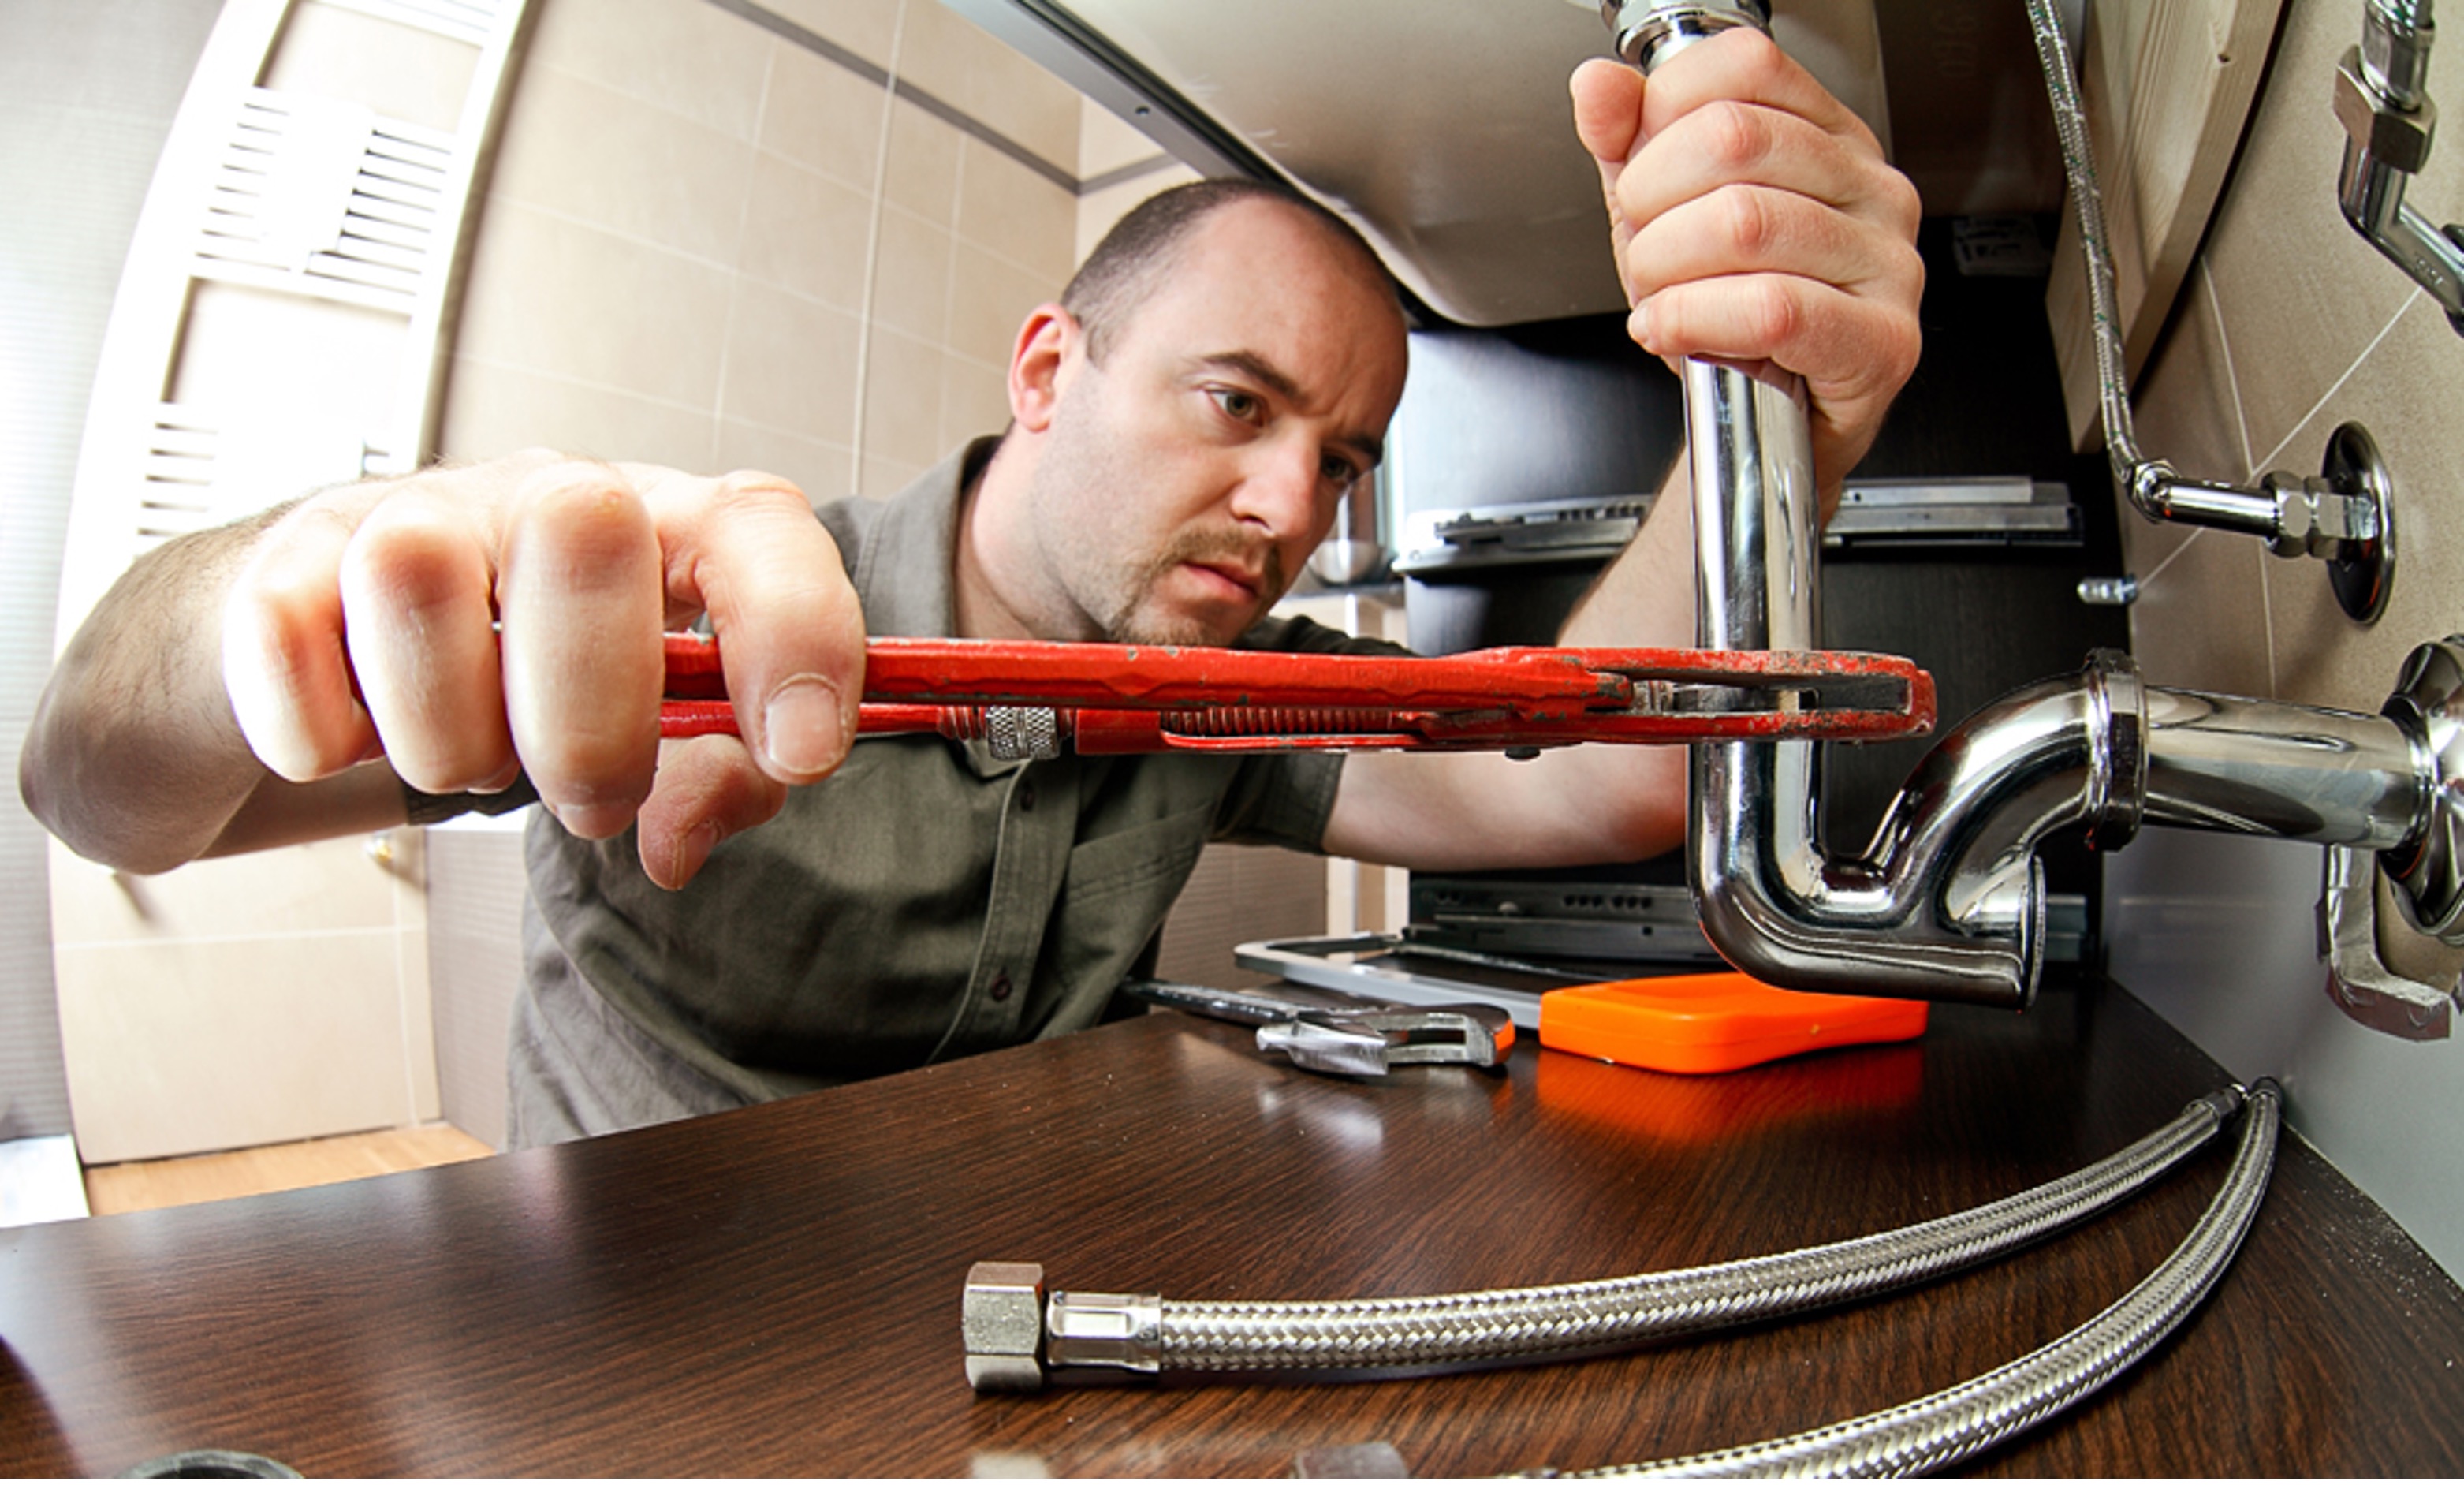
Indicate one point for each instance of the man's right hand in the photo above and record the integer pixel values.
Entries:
(461, 624)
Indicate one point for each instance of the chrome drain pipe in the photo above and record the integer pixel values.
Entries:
(1948, 902)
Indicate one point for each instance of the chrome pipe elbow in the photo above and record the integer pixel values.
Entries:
(1948, 902)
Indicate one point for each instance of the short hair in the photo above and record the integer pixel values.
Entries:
(1135, 257)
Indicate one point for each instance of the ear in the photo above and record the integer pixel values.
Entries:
(1045, 343)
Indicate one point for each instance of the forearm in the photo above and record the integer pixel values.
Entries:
(134, 758)
(1578, 806)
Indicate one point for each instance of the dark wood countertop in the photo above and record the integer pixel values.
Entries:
(775, 1290)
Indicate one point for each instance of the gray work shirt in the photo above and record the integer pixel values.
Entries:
(924, 902)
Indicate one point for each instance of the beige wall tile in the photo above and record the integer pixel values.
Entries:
(400, 71)
(807, 234)
(555, 296)
(824, 117)
(884, 478)
(2201, 618)
(2302, 295)
(823, 471)
(2403, 393)
(1106, 142)
(178, 1048)
(989, 299)
(902, 404)
(910, 289)
(959, 63)
(921, 172)
(686, 57)
(591, 153)
(975, 400)
(791, 365)
(863, 27)
(492, 410)
(1008, 209)
(329, 887)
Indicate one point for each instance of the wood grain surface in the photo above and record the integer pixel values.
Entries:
(775, 1290)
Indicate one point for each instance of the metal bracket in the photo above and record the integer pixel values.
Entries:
(2357, 980)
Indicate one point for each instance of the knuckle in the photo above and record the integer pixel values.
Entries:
(1750, 222)
(1773, 314)
(1735, 135)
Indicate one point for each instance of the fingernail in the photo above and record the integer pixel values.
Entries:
(1638, 325)
(803, 729)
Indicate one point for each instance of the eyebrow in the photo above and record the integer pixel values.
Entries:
(1265, 373)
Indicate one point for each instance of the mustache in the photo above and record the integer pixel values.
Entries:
(1231, 549)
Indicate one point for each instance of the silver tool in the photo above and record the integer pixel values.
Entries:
(1331, 1032)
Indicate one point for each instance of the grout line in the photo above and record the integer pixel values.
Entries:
(872, 255)
(2233, 378)
(898, 88)
(670, 249)
(2304, 421)
(2172, 556)
(735, 275)
(585, 384)
(1122, 175)
(285, 936)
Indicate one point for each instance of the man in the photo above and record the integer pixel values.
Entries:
(712, 923)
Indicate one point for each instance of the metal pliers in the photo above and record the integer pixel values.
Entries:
(1031, 699)
(1349, 1035)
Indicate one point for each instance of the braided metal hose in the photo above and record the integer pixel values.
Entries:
(1495, 1325)
(1936, 1433)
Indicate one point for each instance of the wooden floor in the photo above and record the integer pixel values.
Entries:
(140, 1185)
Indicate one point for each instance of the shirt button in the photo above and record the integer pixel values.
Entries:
(1025, 794)
(1000, 987)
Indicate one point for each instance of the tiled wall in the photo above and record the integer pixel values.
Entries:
(2292, 325)
(718, 237)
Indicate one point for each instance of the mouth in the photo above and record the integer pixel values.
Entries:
(1238, 582)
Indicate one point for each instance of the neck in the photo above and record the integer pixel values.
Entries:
(988, 543)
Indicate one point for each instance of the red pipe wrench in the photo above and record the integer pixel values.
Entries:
(1030, 700)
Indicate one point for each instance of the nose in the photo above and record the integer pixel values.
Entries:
(1284, 493)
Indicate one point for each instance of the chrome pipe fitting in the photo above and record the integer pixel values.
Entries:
(1018, 1337)
(1650, 32)
(1948, 902)
(2382, 101)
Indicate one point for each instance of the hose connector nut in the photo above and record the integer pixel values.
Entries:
(1001, 1320)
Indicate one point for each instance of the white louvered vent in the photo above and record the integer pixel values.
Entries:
(319, 196)
(199, 475)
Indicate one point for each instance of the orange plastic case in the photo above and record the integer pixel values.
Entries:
(1714, 1023)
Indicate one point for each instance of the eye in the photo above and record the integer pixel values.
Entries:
(1340, 471)
(1239, 405)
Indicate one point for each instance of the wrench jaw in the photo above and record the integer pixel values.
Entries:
(1369, 1043)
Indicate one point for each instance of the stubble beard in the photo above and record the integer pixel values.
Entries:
(1115, 598)
(1136, 621)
